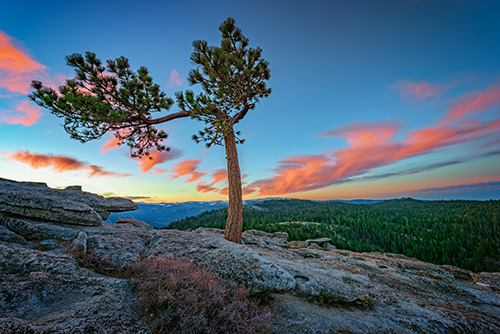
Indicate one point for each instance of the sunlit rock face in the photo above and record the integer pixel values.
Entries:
(316, 290)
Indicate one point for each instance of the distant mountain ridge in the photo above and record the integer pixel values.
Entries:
(162, 214)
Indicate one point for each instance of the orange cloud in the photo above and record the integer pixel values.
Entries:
(175, 80)
(187, 167)
(218, 176)
(160, 171)
(17, 69)
(419, 90)
(114, 142)
(372, 145)
(111, 144)
(203, 187)
(59, 163)
(26, 114)
(156, 158)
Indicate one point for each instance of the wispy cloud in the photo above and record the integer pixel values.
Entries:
(218, 176)
(25, 114)
(160, 171)
(111, 144)
(419, 90)
(17, 68)
(156, 158)
(473, 103)
(59, 163)
(175, 80)
(136, 198)
(187, 168)
(462, 186)
(373, 145)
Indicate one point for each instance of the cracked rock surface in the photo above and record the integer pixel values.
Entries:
(43, 290)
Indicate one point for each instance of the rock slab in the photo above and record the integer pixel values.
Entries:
(68, 206)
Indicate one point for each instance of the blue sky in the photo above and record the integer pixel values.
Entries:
(370, 99)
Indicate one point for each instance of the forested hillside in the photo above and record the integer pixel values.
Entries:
(461, 233)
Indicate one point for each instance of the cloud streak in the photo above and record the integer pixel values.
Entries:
(419, 90)
(156, 158)
(187, 168)
(175, 80)
(25, 114)
(17, 68)
(60, 163)
(218, 176)
(372, 145)
(462, 186)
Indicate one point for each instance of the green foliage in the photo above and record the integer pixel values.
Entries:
(461, 233)
(107, 98)
(233, 78)
(112, 97)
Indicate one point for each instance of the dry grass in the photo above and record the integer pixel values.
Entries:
(176, 296)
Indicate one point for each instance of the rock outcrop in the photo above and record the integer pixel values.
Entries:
(68, 206)
(43, 290)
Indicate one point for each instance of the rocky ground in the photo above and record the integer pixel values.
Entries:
(316, 290)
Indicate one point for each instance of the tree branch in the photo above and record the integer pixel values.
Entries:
(167, 118)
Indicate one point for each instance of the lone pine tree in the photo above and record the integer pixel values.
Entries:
(113, 98)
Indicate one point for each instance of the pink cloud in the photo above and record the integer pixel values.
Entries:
(175, 80)
(473, 103)
(156, 158)
(111, 144)
(59, 163)
(218, 176)
(371, 145)
(160, 171)
(203, 187)
(26, 114)
(419, 90)
(115, 141)
(187, 168)
(17, 68)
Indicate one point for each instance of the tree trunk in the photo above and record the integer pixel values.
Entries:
(234, 225)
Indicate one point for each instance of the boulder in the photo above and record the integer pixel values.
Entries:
(102, 205)
(80, 243)
(38, 206)
(208, 248)
(134, 222)
(282, 235)
(70, 205)
(42, 292)
(297, 244)
(313, 245)
(320, 242)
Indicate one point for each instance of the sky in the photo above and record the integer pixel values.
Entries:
(371, 99)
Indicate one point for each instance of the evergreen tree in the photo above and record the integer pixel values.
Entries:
(113, 98)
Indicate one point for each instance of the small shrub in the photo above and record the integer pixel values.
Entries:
(176, 296)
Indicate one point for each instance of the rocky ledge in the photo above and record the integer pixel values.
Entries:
(43, 290)
(69, 206)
